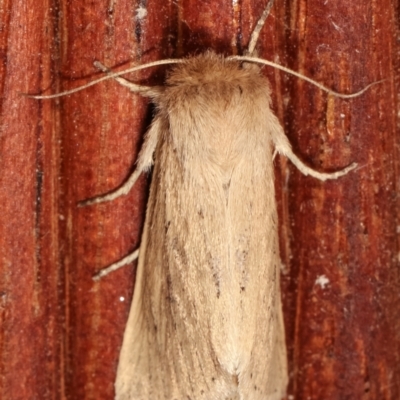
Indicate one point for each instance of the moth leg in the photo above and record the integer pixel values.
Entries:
(144, 163)
(283, 146)
(323, 176)
(123, 190)
(133, 87)
(117, 265)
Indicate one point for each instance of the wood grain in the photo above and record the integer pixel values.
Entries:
(60, 332)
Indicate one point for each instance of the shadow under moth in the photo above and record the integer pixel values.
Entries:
(206, 318)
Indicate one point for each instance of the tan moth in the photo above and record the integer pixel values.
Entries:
(206, 319)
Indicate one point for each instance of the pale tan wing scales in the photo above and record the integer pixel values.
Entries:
(206, 316)
(158, 359)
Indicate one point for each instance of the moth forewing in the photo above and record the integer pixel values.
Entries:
(206, 318)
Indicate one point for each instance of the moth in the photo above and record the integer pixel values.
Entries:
(206, 317)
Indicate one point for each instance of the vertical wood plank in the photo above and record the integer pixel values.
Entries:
(31, 299)
(60, 331)
(342, 298)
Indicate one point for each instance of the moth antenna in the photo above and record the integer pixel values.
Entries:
(117, 265)
(256, 32)
(111, 75)
(303, 77)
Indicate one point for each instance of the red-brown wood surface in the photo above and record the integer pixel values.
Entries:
(60, 332)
